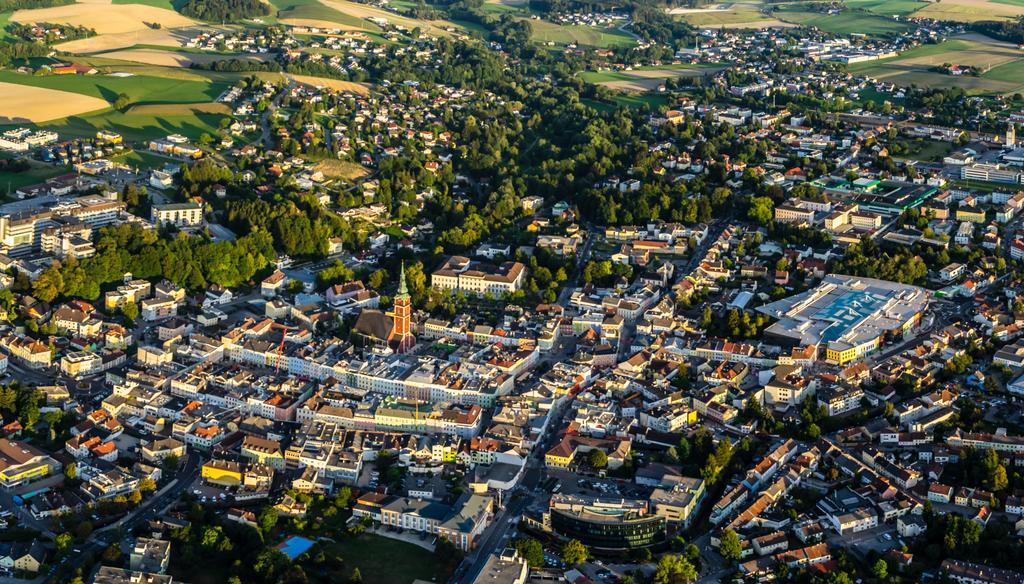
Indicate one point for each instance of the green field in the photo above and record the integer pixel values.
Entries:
(375, 556)
(716, 18)
(314, 10)
(135, 126)
(633, 75)
(12, 181)
(847, 22)
(887, 7)
(144, 160)
(1001, 65)
(140, 89)
(544, 32)
(1012, 72)
(165, 4)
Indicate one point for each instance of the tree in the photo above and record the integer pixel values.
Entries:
(673, 569)
(597, 458)
(147, 485)
(267, 519)
(71, 471)
(880, 569)
(64, 542)
(730, 546)
(356, 577)
(170, 462)
(993, 473)
(530, 550)
(121, 100)
(574, 552)
(130, 310)
(761, 210)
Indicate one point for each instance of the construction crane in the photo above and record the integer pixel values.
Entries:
(280, 347)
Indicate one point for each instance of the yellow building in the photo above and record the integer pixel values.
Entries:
(111, 137)
(223, 472)
(21, 463)
(969, 214)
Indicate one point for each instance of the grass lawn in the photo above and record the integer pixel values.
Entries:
(375, 556)
(930, 151)
(888, 7)
(12, 181)
(140, 89)
(144, 160)
(544, 32)
(846, 22)
(1010, 2)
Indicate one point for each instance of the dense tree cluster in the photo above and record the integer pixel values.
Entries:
(191, 262)
(867, 259)
(224, 10)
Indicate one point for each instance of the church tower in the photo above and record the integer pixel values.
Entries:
(401, 338)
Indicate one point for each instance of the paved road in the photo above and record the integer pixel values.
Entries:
(103, 537)
(526, 494)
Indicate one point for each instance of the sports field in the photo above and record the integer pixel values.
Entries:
(591, 36)
(1001, 65)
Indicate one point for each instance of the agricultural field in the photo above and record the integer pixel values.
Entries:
(1001, 65)
(136, 124)
(363, 11)
(105, 18)
(972, 10)
(140, 89)
(314, 13)
(24, 103)
(165, 58)
(335, 84)
(954, 10)
(736, 16)
(591, 36)
(845, 23)
(888, 7)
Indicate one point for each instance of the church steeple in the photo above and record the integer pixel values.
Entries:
(401, 336)
(402, 289)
